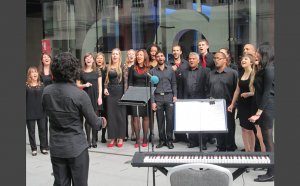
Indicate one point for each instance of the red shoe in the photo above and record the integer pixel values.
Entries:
(110, 145)
(120, 145)
(136, 145)
(144, 144)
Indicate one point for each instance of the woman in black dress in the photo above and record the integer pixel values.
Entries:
(46, 78)
(244, 95)
(138, 77)
(130, 59)
(44, 69)
(264, 96)
(34, 111)
(91, 82)
(114, 89)
(101, 66)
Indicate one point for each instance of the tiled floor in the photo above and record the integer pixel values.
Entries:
(112, 166)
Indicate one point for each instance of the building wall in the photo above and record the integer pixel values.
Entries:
(34, 35)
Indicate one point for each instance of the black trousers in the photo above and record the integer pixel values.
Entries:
(88, 130)
(165, 111)
(67, 170)
(226, 141)
(42, 133)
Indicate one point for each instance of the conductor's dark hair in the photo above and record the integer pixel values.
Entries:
(266, 52)
(65, 68)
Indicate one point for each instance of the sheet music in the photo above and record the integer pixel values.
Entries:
(200, 115)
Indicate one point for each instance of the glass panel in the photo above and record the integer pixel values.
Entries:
(101, 25)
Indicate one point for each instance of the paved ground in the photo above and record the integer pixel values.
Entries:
(111, 166)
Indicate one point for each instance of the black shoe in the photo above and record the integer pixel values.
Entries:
(90, 146)
(94, 146)
(176, 140)
(192, 145)
(160, 145)
(231, 149)
(103, 140)
(212, 140)
(264, 178)
(243, 150)
(170, 145)
(45, 152)
(204, 147)
(34, 153)
(220, 150)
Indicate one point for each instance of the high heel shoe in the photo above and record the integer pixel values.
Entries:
(111, 144)
(136, 145)
(120, 145)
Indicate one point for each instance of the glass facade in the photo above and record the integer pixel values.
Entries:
(81, 26)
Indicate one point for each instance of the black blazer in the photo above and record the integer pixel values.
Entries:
(200, 87)
(178, 74)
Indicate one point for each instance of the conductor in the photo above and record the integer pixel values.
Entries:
(66, 105)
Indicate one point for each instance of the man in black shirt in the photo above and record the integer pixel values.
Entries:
(179, 65)
(222, 83)
(66, 105)
(163, 100)
(194, 87)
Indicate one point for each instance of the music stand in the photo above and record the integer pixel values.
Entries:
(136, 96)
(202, 116)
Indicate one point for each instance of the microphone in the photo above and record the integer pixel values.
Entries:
(154, 79)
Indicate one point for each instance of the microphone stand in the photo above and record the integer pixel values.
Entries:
(151, 130)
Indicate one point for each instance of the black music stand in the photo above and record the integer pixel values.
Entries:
(136, 96)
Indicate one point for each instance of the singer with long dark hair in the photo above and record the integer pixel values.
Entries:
(264, 95)
(138, 77)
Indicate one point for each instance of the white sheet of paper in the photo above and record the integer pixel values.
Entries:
(200, 116)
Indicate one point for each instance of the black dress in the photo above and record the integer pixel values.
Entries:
(244, 105)
(116, 114)
(46, 79)
(264, 96)
(139, 80)
(92, 91)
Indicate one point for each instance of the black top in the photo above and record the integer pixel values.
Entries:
(92, 91)
(264, 84)
(184, 65)
(209, 61)
(194, 83)
(167, 80)
(66, 105)
(46, 79)
(137, 79)
(222, 85)
(34, 109)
